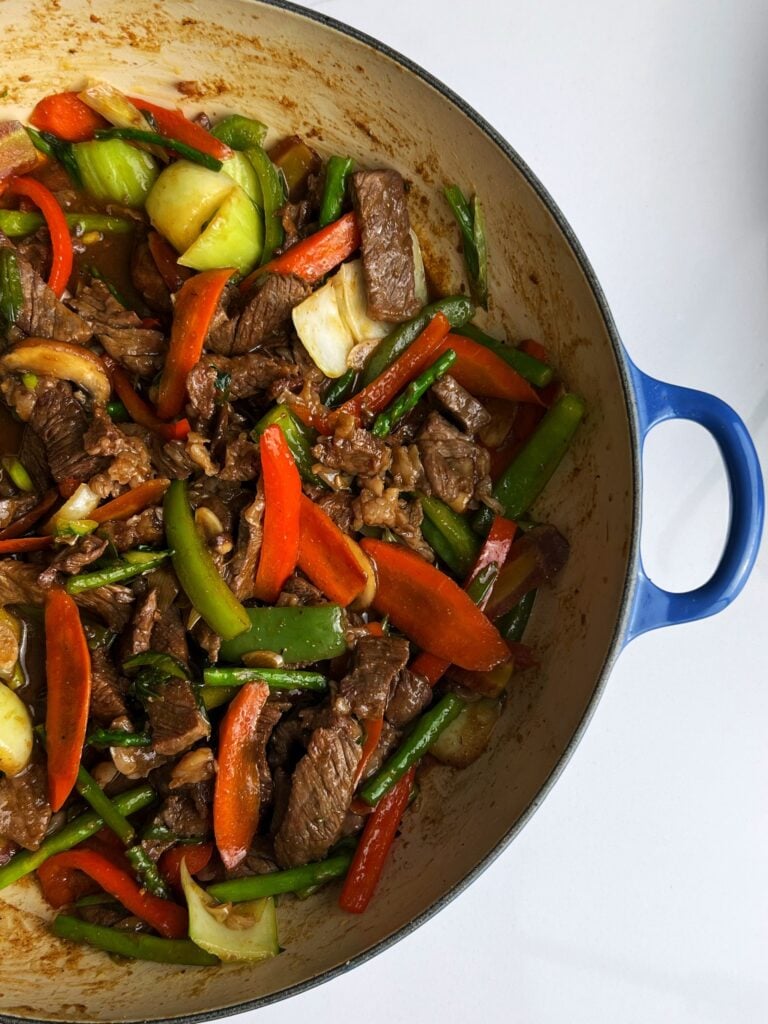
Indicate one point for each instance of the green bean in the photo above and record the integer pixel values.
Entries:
(132, 944)
(440, 546)
(512, 624)
(118, 738)
(412, 395)
(59, 150)
(471, 221)
(525, 478)
(336, 172)
(112, 574)
(426, 730)
(275, 678)
(456, 531)
(11, 295)
(537, 373)
(482, 584)
(71, 834)
(298, 437)
(456, 308)
(18, 223)
(340, 389)
(196, 156)
(238, 890)
(165, 663)
(240, 132)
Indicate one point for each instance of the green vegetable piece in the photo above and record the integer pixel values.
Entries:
(132, 944)
(455, 529)
(537, 373)
(18, 224)
(25, 861)
(58, 150)
(112, 574)
(482, 584)
(426, 730)
(240, 132)
(165, 663)
(118, 738)
(215, 696)
(512, 625)
(196, 570)
(117, 412)
(337, 171)
(239, 890)
(137, 303)
(298, 437)
(232, 238)
(340, 389)
(115, 172)
(75, 527)
(525, 478)
(11, 295)
(481, 249)
(273, 196)
(240, 169)
(195, 156)
(465, 738)
(275, 678)
(408, 399)
(299, 634)
(17, 472)
(472, 227)
(440, 546)
(29, 380)
(457, 308)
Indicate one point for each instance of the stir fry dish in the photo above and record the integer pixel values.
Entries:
(268, 539)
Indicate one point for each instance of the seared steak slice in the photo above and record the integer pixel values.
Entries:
(119, 330)
(20, 584)
(338, 505)
(107, 688)
(176, 721)
(24, 808)
(410, 695)
(321, 792)
(130, 463)
(457, 469)
(32, 457)
(268, 718)
(138, 637)
(185, 814)
(144, 528)
(365, 691)
(42, 315)
(253, 373)
(387, 251)
(171, 458)
(462, 407)
(148, 281)
(263, 315)
(15, 507)
(241, 571)
(202, 391)
(61, 422)
(71, 560)
(360, 454)
(298, 591)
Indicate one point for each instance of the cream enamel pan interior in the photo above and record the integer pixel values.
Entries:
(348, 96)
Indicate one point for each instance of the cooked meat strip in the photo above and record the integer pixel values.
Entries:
(138, 636)
(139, 350)
(241, 571)
(112, 604)
(410, 696)
(407, 471)
(321, 792)
(299, 591)
(107, 688)
(19, 584)
(389, 739)
(360, 454)
(268, 718)
(294, 217)
(186, 814)
(61, 422)
(36, 249)
(365, 691)
(202, 392)
(130, 460)
(241, 459)
(15, 507)
(384, 507)
(24, 808)
(32, 457)
(171, 458)
(144, 528)
(71, 560)
(169, 634)
(460, 405)
(148, 281)
(387, 251)
(457, 469)
(255, 372)
(263, 315)
(339, 507)
(176, 722)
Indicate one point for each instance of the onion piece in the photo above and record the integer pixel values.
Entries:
(60, 359)
(15, 733)
(76, 508)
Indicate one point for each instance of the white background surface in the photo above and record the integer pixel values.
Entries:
(638, 893)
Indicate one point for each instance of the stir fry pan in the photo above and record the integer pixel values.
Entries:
(302, 73)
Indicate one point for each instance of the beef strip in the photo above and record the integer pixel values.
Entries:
(72, 559)
(241, 571)
(202, 392)
(457, 469)
(36, 249)
(61, 422)
(339, 507)
(387, 251)
(19, 584)
(268, 718)
(138, 637)
(262, 316)
(15, 507)
(170, 458)
(144, 528)
(32, 457)
(169, 634)
(410, 695)
(321, 792)
(176, 722)
(254, 373)
(384, 507)
(360, 454)
(130, 463)
(407, 471)
(107, 688)
(148, 281)
(24, 808)
(119, 330)
(460, 405)
(299, 592)
(389, 739)
(365, 691)
(186, 814)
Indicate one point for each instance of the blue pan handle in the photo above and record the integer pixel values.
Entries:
(656, 402)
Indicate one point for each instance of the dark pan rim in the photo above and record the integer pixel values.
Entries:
(617, 641)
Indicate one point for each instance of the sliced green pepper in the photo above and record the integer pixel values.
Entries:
(240, 132)
(196, 570)
(11, 295)
(273, 198)
(512, 625)
(337, 171)
(340, 389)
(299, 634)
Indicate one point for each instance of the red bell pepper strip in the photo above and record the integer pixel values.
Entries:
(166, 261)
(61, 243)
(66, 116)
(371, 852)
(373, 728)
(316, 256)
(168, 918)
(68, 671)
(62, 886)
(133, 501)
(418, 356)
(485, 374)
(496, 550)
(282, 515)
(141, 412)
(17, 545)
(175, 125)
(26, 522)
(326, 557)
(196, 855)
(317, 416)
(431, 609)
(237, 792)
(196, 303)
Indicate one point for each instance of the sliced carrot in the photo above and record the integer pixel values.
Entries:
(133, 501)
(326, 558)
